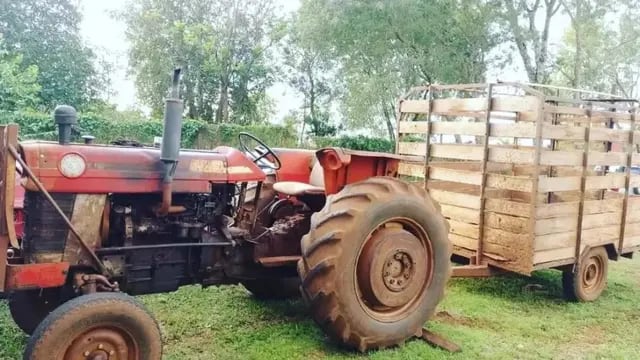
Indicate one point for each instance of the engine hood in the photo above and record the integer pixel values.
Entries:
(109, 169)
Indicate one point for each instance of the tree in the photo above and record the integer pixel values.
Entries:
(19, 87)
(532, 40)
(223, 46)
(597, 54)
(46, 34)
(310, 72)
(384, 47)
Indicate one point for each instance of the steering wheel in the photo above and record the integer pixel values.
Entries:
(260, 152)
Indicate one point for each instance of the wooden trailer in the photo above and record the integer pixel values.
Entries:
(529, 177)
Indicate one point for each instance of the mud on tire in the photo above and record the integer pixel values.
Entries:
(347, 245)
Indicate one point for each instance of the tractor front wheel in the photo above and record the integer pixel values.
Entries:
(29, 307)
(110, 326)
(375, 263)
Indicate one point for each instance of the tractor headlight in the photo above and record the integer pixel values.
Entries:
(72, 165)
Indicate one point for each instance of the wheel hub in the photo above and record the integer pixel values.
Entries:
(392, 268)
(102, 344)
(592, 273)
(398, 271)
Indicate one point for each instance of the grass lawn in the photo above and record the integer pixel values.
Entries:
(497, 318)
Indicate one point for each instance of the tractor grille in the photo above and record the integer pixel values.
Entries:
(45, 231)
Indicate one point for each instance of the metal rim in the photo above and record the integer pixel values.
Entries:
(593, 274)
(103, 343)
(393, 269)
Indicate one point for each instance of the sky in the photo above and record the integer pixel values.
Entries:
(106, 34)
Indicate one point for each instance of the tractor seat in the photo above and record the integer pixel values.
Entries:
(294, 188)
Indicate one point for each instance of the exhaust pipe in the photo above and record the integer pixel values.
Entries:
(170, 149)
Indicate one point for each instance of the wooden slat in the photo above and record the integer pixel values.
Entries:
(414, 106)
(630, 241)
(563, 132)
(560, 158)
(413, 127)
(564, 183)
(607, 158)
(456, 199)
(544, 256)
(509, 223)
(414, 170)
(564, 110)
(453, 105)
(602, 206)
(556, 225)
(412, 148)
(519, 130)
(460, 176)
(600, 235)
(502, 206)
(460, 214)
(459, 152)
(464, 229)
(632, 229)
(458, 128)
(606, 134)
(514, 156)
(609, 181)
(521, 104)
(555, 241)
(515, 183)
(463, 241)
(545, 211)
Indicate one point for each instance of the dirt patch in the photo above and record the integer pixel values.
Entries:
(447, 317)
(586, 341)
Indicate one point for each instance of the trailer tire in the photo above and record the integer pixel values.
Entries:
(273, 289)
(29, 307)
(589, 281)
(97, 326)
(375, 263)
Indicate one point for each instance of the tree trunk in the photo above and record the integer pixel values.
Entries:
(389, 119)
(222, 113)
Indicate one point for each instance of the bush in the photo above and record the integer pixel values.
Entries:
(359, 142)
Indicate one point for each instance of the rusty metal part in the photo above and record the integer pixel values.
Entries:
(46, 194)
(439, 341)
(163, 210)
(103, 343)
(276, 261)
(592, 275)
(393, 269)
(91, 283)
(33, 276)
(283, 237)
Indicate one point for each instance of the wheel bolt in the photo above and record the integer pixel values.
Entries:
(392, 281)
(389, 263)
(86, 353)
(398, 256)
(399, 282)
(112, 352)
(386, 273)
(406, 276)
(100, 346)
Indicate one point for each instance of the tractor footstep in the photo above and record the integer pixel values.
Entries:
(439, 341)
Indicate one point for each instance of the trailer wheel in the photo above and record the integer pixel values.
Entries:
(28, 308)
(273, 289)
(110, 326)
(375, 263)
(590, 280)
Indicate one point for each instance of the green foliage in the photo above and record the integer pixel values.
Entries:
(223, 46)
(46, 33)
(384, 47)
(18, 86)
(227, 134)
(358, 142)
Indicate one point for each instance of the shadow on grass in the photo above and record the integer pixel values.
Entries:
(540, 286)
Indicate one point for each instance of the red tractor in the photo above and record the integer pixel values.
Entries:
(368, 251)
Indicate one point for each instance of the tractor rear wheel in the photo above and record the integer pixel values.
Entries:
(28, 308)
(274, 289)
(110, 326)
(375, 263)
